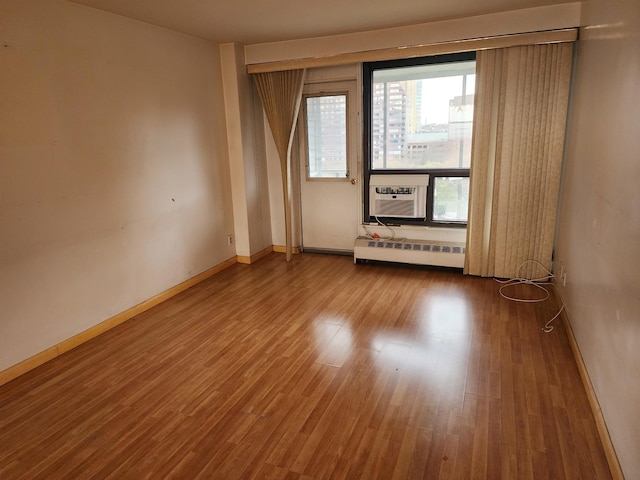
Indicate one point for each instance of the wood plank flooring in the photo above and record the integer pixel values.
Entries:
(317, 369)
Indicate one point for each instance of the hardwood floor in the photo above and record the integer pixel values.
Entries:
(315, 369)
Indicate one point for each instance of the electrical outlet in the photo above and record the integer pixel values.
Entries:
(229, 240)
(562, 274)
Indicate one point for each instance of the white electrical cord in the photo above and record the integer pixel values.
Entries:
(390, 237)
(537, 283)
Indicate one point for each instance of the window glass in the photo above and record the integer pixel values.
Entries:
(326, 122)
(450, 199)
(422, 116)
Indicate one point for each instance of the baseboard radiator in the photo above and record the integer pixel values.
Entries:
(418, 252)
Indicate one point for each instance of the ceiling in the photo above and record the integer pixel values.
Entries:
(260, 21)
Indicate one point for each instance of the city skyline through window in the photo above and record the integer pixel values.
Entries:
(422, 116)
(326, 128)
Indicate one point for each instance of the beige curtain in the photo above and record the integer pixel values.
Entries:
(518, 138)
(280, 93)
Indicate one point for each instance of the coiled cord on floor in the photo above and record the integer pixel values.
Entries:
(539, 283)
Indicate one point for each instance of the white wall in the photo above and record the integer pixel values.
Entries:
(599, 223)
(114, 181)
(247, 154)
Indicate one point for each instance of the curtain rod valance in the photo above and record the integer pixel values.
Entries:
(457, 46)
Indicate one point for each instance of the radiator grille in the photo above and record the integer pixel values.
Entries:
(421, 252)
(426, 247)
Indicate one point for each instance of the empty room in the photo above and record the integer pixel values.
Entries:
(294, 240)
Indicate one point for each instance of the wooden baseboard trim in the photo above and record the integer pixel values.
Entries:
(283, 249)
(29, 364)
(52, 352)
(256, 257)
(603, 431)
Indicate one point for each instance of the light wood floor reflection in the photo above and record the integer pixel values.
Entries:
(317, 369)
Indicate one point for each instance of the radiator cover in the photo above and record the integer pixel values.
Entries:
(419, 252)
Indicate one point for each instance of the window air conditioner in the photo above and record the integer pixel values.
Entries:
(401, 196)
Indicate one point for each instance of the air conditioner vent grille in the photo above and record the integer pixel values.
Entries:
(400, 196)
(394, 208)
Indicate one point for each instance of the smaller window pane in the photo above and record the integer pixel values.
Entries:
(327, 136)
(450, 199)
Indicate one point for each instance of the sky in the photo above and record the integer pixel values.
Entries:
(436, 93)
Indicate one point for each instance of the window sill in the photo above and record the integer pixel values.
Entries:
(418, 232)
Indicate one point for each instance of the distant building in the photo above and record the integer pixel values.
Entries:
(400, 140)
(326, 135)
(389, 125)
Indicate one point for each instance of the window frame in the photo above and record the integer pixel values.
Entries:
(367, 83)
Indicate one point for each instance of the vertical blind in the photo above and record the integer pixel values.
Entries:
(281, 93)
(518, 138)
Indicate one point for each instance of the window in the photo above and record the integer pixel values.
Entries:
(450, 199)
(326, 136)
(418, 119)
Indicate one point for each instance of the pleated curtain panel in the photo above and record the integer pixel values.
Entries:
(516, 160)
(281, 93)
